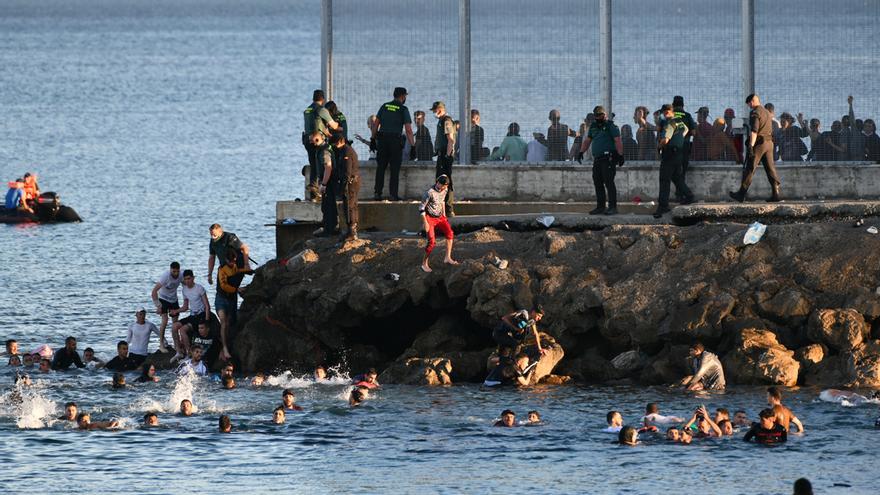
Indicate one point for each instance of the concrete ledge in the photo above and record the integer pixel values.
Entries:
(570, 181)
(785, 212)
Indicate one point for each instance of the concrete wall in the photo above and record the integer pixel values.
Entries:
(568, 181)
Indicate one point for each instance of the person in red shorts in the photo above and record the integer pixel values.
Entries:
(433, 211)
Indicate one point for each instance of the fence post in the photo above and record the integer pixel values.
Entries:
(748, 49)
(464, 81)
(605, 54)
(327, 48)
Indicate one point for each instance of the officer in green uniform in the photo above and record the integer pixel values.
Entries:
(349, 183)
(604, 137)
(760, 149)
(391, 121)
(339, 117)
(672, 146)
(315, 118)
(329, 183)
(444, 147)
(679, 113)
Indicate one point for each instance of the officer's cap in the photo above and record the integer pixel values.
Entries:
(438, 104)
(598, 110)
(399, 91)
(317, 95)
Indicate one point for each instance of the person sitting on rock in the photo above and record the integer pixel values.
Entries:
(708, 372)
(288, 401)
(784, 416)
(514, 328)
(368, 379)
(508, 419)
(615, 422)
(767, 431)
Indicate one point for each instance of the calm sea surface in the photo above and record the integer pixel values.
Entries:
(156, 119)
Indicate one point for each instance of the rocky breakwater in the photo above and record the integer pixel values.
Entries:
(624, 302)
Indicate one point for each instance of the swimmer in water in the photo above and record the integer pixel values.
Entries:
(768, 431)
(673, 435)
(615, 422)
(89, 358)
(358, 395)
(320, 373)
(278, 415)
(654, 418)
(70, 412)
(28, 361)
(151, 419)
(784, 416)
(288, 400)
(508, 419)
(726, 427)
(740, 418)
(228, 370)
(148, 375)
(118, 381)
(224, 424)
(45, 365)
(14, 361)
(368, 379)
(705, 426)
(628, 436)
(84, 421)
(686, 437)
(534, 418)
(186, 407)
(22, 379)
(258, 379)
(11, 347)
(802, 486)
(228, 382)
(721, 414)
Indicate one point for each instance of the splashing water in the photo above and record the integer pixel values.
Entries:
(34, 410)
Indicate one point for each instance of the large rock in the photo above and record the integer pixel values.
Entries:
(840, 329)
(788, 305)
(419, 371)
(758, 358)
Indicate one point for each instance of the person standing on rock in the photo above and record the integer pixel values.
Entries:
(603, 138)
(219, 247)
(708, 372)
(392, 120)
(316, 118)
(329, 187)
(433, 212)
(760, 149)
(514, 328)
(349, 183)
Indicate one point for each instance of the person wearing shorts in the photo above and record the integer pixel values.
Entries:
(433, 211)
(195, 300)
(165, 299)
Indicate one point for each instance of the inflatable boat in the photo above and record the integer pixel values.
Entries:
(48, 210)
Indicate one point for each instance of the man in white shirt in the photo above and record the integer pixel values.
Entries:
(194, 364)
(536, 150)
(165, 298)
(195, 300)
(139, 335)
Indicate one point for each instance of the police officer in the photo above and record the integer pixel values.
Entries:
(391, 120)
(759, 148)
(604, 137)
(672, 152)
(444, 147)
(315, 118)
(328, 189)
(350, 183)
(679, 113)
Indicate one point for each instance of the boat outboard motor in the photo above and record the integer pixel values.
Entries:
(48, 205)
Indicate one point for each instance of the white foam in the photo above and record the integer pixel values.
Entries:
(34, 410)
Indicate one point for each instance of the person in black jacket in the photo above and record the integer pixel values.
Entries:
(67, 356)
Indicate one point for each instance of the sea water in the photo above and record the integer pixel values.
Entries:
(154, 120)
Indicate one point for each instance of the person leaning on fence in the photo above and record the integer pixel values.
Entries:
(349, 183)
(316, 118)
(604, 137)
(433, 212)
(673, 146)
(759, 149)
(444, 145)
(392, 120)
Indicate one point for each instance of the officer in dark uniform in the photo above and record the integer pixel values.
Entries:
(672, 150)
(315, 118)
(329, 184)
(350, 183)
(444, 148)
(759, 149)
(679, 113)
(391, 120)
(607, 149)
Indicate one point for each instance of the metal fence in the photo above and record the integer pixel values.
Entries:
(527, 57)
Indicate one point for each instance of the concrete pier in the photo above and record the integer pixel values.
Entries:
(570, 181)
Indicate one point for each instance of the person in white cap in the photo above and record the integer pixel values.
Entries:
(139, 336)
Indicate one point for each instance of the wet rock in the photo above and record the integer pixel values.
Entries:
(628, 362)
(669, 366)
(758, 358)
(555, 380)
(839, 329)
(419, 371)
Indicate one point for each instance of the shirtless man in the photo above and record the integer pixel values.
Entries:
(784, 416)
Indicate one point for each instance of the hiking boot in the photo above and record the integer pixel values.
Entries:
(774, 198)
(598, 210)
(738, 195)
